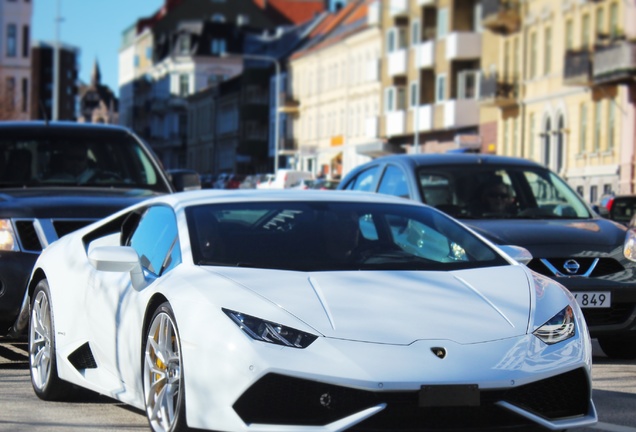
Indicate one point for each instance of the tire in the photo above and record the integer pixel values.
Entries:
(619, 347)
(164, 387)
(42, 359)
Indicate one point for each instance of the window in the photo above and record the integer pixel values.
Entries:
(569, 35)
(613, 25)
(582, 128)
(219, 18)
(440, 88)
(593, 194)
(25, 94)
(413, 99)
(611, 127)
(12, 43)
(184, 44)
(468, 84)
(585, 31)
(600, 21)
(415, 33)
(547, 51)
(184, 85)
(10, 92)
(531, 136)
(364, 181)
(218, 46)
(25, 41)
(395, 99)
(156, 241)
(533, 55)
(148, 53)
(395, 39)
(442, 22)
(393, 182)
(597, 127)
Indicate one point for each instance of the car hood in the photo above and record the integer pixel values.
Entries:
(400, 307)
(547, 237)
(62, 202)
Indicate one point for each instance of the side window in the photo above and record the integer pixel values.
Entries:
(156, 240)
(394, 182)
(364, 181)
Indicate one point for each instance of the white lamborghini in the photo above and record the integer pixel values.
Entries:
(292, 311)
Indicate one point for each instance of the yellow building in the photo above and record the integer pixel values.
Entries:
(562, 83)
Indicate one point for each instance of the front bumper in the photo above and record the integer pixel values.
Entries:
(337, 385)
(15, 270)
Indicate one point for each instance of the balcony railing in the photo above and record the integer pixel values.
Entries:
(501, 16)
(498, 92)
(615, 63)
(578, 68)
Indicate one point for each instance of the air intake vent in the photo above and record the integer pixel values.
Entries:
(82, 358)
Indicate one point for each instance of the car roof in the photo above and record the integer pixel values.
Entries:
(59, 126)
(456, 159)
(205, 196)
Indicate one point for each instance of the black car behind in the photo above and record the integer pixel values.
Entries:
(58, 177)
(595, 258)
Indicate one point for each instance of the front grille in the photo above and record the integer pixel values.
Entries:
(27, 231)
(617, 314)
(28, 236)
(277, 399)
(604, 267)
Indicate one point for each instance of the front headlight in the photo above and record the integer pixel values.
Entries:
(629, 246)
(267, 331)
(7, 236)
(559, 328)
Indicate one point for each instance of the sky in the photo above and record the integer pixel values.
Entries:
(93, 26)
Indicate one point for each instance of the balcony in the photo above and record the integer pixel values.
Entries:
(501, 16)
(578, 68)
(395, 123)
(397, 63)
(498, 92)
(424, 117)
(426, 2)
(615, 63)
(288, 146)
(371, 127)
(288, 105)
(425, 55)
(399, 8)
(461, 113)
(463, 46)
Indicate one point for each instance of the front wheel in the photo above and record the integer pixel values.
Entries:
(164, 388)
(42, 362)
(619, 347)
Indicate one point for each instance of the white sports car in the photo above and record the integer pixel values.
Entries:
(306, 311)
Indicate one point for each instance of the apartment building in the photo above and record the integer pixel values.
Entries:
(431, 66)
(335, 80)
(15, 59)
(564, 87)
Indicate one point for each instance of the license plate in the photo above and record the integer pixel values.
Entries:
(449, 395)
(594, 299)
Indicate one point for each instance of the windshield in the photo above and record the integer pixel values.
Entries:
(321, 236)
(70, 159)
(491, 192)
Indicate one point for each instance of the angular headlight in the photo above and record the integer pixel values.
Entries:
(7, 236)
(629, 246)
(267, 331)
(559, 328)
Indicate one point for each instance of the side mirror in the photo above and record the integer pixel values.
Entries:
(118, 259)
(185, 180)
(517, 253)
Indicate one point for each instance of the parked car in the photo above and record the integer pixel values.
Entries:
(58, 177)
(592, 256)
(253, 180)
(321, 184)
(306, 311)
(285, 178)
(623, 209)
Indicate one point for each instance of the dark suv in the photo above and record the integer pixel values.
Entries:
(514, 201)
(58, 177)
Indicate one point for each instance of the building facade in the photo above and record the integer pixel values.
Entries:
(15, 59)
(565, 74)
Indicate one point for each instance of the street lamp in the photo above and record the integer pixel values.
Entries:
(274, 60)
